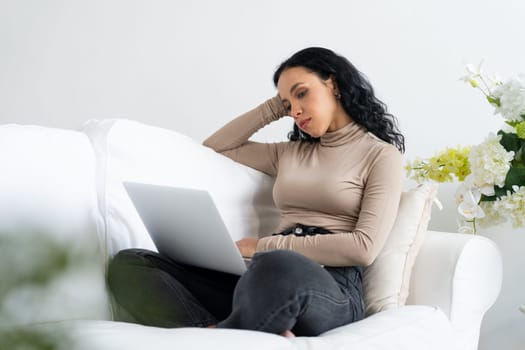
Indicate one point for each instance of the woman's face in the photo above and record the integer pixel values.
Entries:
(311, 101)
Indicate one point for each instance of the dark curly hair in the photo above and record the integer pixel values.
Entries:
(357, 94)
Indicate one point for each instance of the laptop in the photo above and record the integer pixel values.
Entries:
(186, 226)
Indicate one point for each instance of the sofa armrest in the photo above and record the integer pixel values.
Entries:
(459, 273)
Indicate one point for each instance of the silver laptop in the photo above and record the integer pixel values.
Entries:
(186, 226)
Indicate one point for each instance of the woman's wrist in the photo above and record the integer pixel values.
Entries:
(276, 105)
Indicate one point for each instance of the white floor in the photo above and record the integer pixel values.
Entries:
(507, 337)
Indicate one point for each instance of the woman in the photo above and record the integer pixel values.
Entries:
(337, 185)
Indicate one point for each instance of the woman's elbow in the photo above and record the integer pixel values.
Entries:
(360, 257)
(365, 251)
(210, 144)
(207, 143)
(365, 258)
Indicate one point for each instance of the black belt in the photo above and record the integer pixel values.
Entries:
(303, 230)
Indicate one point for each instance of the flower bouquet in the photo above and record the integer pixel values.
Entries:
(491, 174)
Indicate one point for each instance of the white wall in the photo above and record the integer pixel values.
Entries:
(193, 65)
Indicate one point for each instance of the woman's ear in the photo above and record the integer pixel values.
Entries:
(333, 84)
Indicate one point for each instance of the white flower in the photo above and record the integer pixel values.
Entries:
(473, 74)
(492, 216)
(489, 163)
(511, 95)
(484, 188)
(415, 170)
(468, 199)
(507, 128)
(463, 188)
(512, 206)
(493, 80)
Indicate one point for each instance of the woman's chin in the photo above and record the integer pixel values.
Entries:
(315, 135)
(312, 133)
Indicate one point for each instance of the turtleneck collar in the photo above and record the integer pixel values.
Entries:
(343, 135)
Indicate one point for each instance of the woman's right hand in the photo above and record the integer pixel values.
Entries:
(282, 109)
(247, 246)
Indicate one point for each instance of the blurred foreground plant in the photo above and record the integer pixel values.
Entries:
(38, 274)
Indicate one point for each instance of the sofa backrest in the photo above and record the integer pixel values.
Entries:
(50, 225)
(63, 190)
(131, 151)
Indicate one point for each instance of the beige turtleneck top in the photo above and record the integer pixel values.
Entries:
(349, 183)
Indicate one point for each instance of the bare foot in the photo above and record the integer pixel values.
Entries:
(212, 326)
(288, 334)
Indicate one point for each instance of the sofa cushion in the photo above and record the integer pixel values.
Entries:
(131, 151)
(50, 265)
(386, 281)
(406, 328)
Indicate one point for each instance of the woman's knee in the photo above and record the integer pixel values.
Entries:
(128, 257)
(123, 263)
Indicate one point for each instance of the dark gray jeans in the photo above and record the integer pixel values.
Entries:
(281, 290)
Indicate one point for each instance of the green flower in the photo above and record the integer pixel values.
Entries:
(442, 167)
(520, 130)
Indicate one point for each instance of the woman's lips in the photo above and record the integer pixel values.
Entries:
(303, 124)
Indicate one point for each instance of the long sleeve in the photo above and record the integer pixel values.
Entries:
(232, 139)
(360, 246)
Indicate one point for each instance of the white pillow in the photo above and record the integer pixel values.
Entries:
(386, 281)
(132, 151)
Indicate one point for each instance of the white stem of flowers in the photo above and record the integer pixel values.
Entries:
(473, 222)
(486, 86)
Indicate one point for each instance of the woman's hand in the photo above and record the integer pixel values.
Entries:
(281, 107)
(247, 246)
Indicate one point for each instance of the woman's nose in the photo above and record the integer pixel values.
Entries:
(296, 111)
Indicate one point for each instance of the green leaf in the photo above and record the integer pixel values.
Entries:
(498, 192)
(521, 157)
(515, 176)
(512, 123)
(511, 142)
(487, 198)
(494, 101)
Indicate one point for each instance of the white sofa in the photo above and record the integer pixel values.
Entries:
(65, 186)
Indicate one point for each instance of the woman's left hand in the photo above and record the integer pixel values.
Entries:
(247, 246)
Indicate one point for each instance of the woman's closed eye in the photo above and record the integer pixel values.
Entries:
(301, 94)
